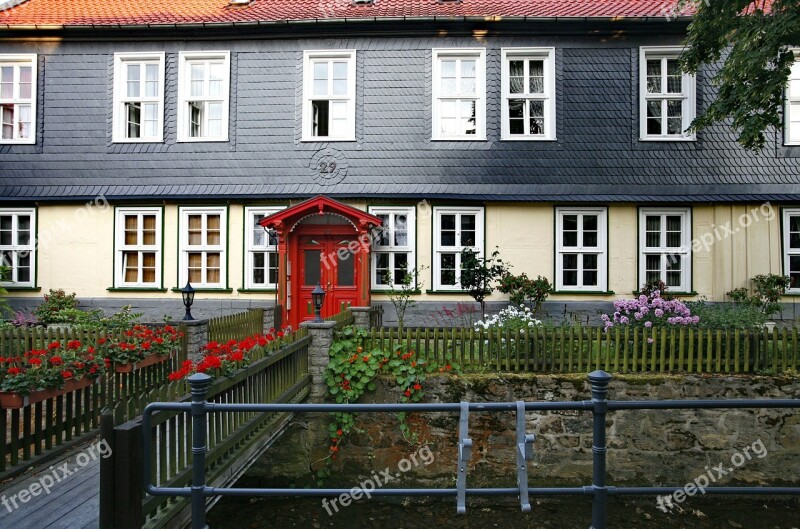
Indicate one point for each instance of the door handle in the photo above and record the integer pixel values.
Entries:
(328, 285)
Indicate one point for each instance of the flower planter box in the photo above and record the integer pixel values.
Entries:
(146, 361)
(14, 400)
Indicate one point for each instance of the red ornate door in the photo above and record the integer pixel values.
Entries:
(327, 260)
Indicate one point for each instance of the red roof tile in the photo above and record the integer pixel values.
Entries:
(127, 12)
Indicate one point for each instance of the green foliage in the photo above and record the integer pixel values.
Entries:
(521, 288)
(727, 315)
(352, 371)
(768, 291)
(400, 295)
(650, 288)
(752, 45)
(60, 307)
(478, 274)
(5, 273)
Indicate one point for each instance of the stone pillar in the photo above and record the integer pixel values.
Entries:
(361, 315)
(318, 353)
(196, 337)
(269, 318)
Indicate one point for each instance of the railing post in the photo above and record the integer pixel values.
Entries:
(599, 381)
(199, 383)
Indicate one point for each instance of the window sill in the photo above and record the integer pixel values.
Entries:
(221, 290)
(461, 138)
(257, 290)
(136, 289)
(689, 139)
(11, 288)
(121, 141)
(526, 138)
(584, 292)
(327, 140)
(12, 142)
(202, 140)
(674, 293)
(415, 292)
(456, 292)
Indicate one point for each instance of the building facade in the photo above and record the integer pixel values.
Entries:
(143, 148)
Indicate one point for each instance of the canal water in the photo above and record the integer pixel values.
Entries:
(558, 513)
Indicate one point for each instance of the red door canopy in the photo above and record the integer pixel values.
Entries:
(284, 220)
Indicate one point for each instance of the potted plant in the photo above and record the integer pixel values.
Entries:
(41, 374)
(224, 359)
(140, 346)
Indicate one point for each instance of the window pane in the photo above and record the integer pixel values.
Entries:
(7, 82)
(7, 112)
(339, 78)
(321, 78)
(569, 236)
(674, 77)
(400, 267)
(654, 76)
(794, 270)
(467, 230)
(381, 268)
(197, 73)
(320, 116)
(23, 230)
(536, 117)
(195, 230)
(25, 79)
(400, 230)
(24, 268)
(131, 229)
(516, 72)
(447, 274)
(134, 129)
(590, 261)
(196, 119)
(130, 265)
(516, 116)
(448, 230)
(570, 261)
(213, 235)
(590, 278)
(311, 269)
(151, 80)
(148, 267)
(674, 119)
(213, 269)
(5, 230)
(345, 271)
(794, 232)
(133, 80)
(195, 267)
(468, 117)
(149, 226)
(590, 239)
(536, 70)
(216, 79)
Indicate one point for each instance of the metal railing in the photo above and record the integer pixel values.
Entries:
(599, 406)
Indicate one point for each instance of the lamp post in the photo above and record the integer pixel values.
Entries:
(318, 297)
(187, 293)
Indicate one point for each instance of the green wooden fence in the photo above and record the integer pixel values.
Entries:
(44, 429)
(279, 374)
(236, 326)
(343, 318)
(584, 349)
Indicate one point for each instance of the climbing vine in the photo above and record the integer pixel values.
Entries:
(352, 371)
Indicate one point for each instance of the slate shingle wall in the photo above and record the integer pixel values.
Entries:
(597, 155)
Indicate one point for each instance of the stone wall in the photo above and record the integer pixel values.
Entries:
(645, 447)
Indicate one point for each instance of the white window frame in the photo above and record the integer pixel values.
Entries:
(548, 97)
(789, 252)
(438, 249)
(121, 61)
(121, 247)
(601, 250)
(221, 248)
(17, 60)
(479, 55)
(185, 60)
(309, 58)
(792, 110)
(251, 248)
(687, 95)
(685, 249)
(392, 249)
(16, 248)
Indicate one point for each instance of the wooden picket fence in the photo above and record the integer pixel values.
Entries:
(343, 318)
(44, 429)
(236, 326)
(584, 349)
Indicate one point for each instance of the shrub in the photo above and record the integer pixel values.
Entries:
(478, 274)
(521, 288)
(511, 321)
(58, 307)
(648, 312)
(768, 291)
(727, 315)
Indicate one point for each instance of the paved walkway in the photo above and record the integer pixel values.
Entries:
(72, 503)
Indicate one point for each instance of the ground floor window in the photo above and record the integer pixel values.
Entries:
(791, 247)
(581, 245)
(454, 230)
(138, 244)
(18, 247)
(664, 246)
(261, 246)
(203, 242)
(393, 247)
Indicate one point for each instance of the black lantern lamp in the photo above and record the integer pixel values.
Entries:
(318, 297)
(187, 293)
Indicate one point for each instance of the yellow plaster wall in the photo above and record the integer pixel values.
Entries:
(76, 248)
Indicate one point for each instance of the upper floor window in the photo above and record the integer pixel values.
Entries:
(203, 244)
(792, 134)
(138, 97)
(138, 244)
(329, 93)
(393, 254)
(529, 104)
(454, 230)
(459, 94)
(203, 96)
(664, 246)
(791, 247)
(18, 246)
(667, 95)
(261, 261)
(581, 249)
(18, 98)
